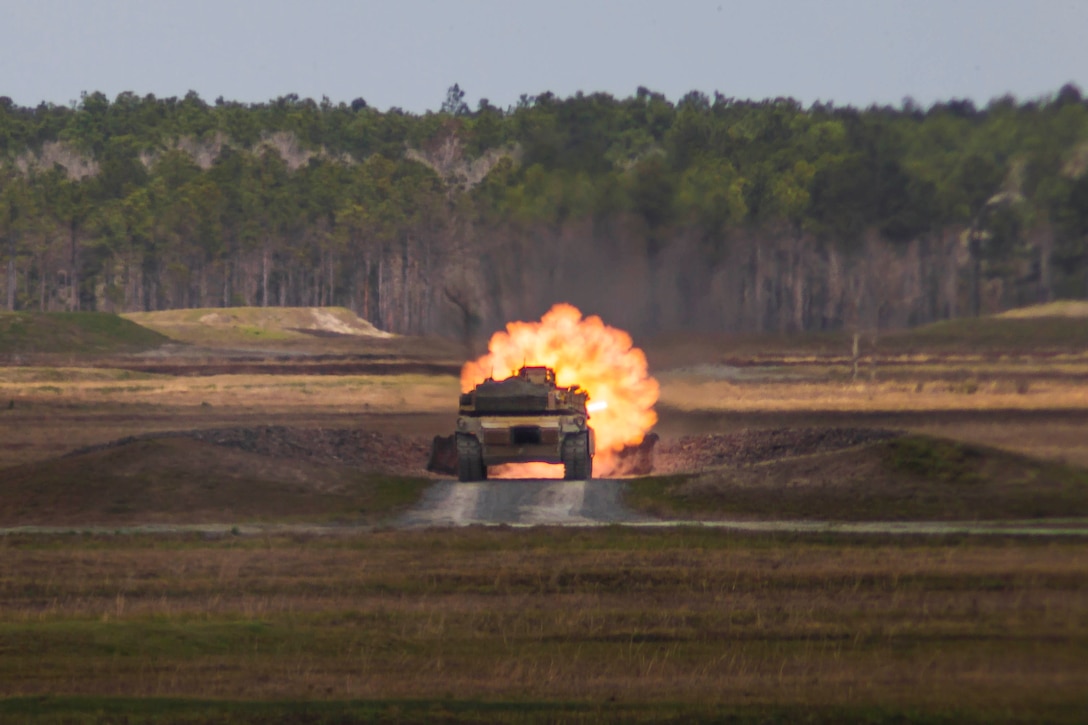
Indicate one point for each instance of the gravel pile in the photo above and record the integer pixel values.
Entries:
(408, 455)
(370, 450)
(367, 450)
(694, 453)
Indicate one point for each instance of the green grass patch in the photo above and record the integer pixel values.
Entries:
(109, 389)
(1058, 308)
(387, 494)
(262, 333)
(73, 333)
(659, 496)
(910, 478)
(548, 625)
(177, 479)
(30, 374)
(992, 334)
(96, 710)
(1030, 337)
(475, 540)
(249, 325)
(936, 459)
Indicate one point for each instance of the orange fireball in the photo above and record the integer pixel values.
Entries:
(586, 352)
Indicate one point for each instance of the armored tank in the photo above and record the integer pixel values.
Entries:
(522, 419)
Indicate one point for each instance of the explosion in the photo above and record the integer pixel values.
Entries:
(584, 352)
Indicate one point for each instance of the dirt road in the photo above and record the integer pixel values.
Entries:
(522, 502)
(598, 503)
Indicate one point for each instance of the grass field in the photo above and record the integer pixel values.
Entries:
(540, 625)
(73, 333)
(909, 478)
(598, 624)
(256, 325)
(181, 480)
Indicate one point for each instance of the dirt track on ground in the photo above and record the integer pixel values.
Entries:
(287, 366)
(406, 454)
(546, 502)
(697, 452)
(369, 450)
(599, 503)
(526, 503)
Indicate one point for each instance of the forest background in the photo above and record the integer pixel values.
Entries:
(706, 214)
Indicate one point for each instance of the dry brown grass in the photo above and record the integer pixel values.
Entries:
(987, 628)
(274, 393)
(43, 415)
(1046, 418)
(54, 410)
(561, 616)
(804, 396)
(1064, 441)
(255, 326)
(178, 480)
(1060, 308)
(904, 478)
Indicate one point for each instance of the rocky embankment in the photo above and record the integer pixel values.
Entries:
(408, 455)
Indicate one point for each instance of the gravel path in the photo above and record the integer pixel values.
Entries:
(525, 503)
(370, 450)
(599, 503)
(696, 453)
(530, 503)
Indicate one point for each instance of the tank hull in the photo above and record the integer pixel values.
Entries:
(524, 439)
(524, 419)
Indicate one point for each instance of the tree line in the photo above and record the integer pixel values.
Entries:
(708, 213)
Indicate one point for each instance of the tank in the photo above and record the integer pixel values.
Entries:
(524, 418)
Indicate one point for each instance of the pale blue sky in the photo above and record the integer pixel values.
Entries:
(406, 53)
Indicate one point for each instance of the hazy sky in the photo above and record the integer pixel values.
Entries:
(408, 52)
